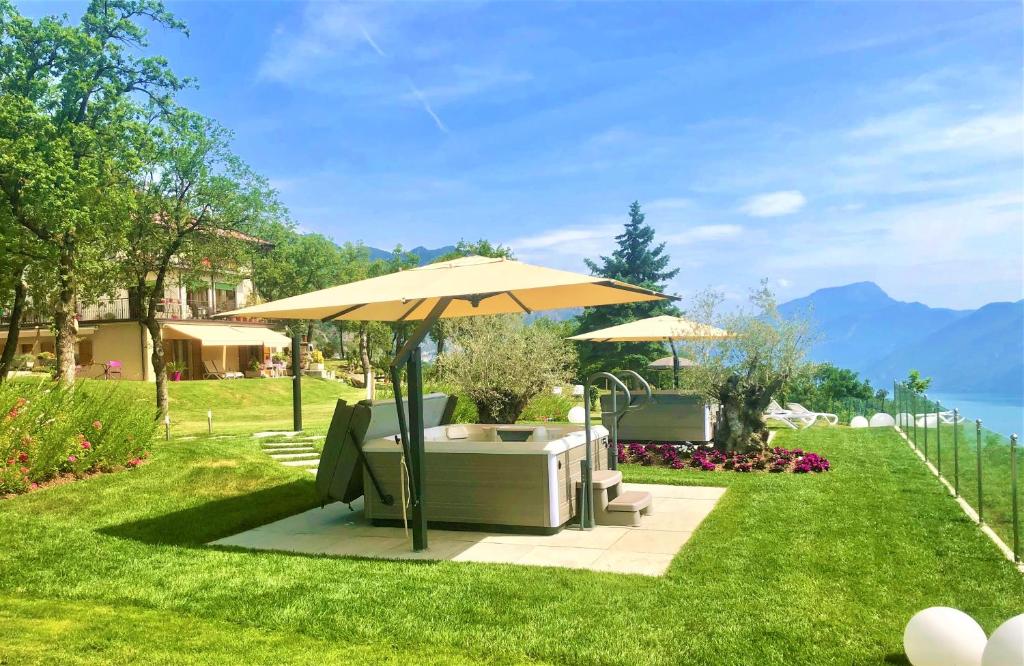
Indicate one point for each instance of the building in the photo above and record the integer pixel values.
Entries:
(109, 331)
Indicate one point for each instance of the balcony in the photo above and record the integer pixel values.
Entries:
(119, 309)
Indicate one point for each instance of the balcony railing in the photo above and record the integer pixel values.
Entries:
(120, 309)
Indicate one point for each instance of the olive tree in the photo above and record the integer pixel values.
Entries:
(501, 362)
(744, 372)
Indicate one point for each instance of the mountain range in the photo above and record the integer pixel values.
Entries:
(426, 255)
(964, 351)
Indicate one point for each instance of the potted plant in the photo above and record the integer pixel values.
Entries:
(316, 361)
(255, 370)
(175, 368)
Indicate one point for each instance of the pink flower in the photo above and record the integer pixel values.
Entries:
(22, 457)
(86, 444)
(24, 470)
(72, 458)
(96, 425)
(34, 486)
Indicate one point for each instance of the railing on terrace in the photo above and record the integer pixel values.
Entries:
(980, 465)
(28, 318)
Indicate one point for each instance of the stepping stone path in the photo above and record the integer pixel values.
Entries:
(292, 452)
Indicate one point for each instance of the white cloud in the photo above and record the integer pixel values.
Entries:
(568, 240)
(774, 204)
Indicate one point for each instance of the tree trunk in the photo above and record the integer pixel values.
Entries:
(159, 365)
(14, 328)
(65, 322)
(340, 324)
(741, 425)
(364, 357)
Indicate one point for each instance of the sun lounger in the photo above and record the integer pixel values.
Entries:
(787, 417)
(800, 410)
(227, 374)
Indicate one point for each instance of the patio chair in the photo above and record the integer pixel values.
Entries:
(210, 371)
(775, 412)
(227, 374)
(112, 369)
(800, 410)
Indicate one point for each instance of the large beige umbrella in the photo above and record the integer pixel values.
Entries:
(664, 328)
(458, 288)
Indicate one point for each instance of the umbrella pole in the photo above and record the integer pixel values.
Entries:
(675, 365)
(296, 385)
(412, 432)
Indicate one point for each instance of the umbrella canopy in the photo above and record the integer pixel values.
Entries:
(668, 363)
(465, 287)
(655, 329)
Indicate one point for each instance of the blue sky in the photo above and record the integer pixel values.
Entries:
(812, 144)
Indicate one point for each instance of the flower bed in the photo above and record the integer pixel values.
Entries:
(48, 431)
(775, 460)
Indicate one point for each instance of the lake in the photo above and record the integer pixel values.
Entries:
(1000, 413)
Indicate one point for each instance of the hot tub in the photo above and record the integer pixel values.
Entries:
(510, 478)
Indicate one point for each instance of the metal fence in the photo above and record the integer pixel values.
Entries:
(979, 464)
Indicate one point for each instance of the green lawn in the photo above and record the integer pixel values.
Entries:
(788, 569)
(244, 405)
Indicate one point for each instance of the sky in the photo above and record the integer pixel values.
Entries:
(812, 144)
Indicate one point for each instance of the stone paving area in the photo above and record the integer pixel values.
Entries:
(647, 549)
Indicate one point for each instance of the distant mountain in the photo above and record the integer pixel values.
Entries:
(864, 329)
(426, 256)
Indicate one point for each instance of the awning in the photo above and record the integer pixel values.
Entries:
(218, 335)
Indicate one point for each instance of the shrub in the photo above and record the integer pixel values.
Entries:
(544, 407)
(47, 429)
(501, 363)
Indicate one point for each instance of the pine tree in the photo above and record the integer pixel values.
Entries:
(637, 260)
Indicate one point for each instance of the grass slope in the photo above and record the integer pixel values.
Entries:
(788, 569)
(243, 405)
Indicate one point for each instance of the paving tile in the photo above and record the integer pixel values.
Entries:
(651, 541)
(678, 492)
(313, 471)
(602, 536)
(619, 561)
(362, 546)
(495, 553)
(558, 556)
(294, 456)
(437, 549)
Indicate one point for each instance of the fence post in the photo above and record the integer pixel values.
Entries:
(956, 453)
(981, 514)
(1013, 497)
(925, 427)
(913, 417)
(938, 437)
(895, 400)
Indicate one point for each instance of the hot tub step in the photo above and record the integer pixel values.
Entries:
(604, 479)
(631, 501)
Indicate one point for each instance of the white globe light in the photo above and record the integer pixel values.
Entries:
(858, 422)
(905, 420)
(1006, 646)
(577, 390)
(882, 420)
(941, 636)
(577, 414)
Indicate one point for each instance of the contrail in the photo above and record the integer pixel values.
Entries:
(426, 107)
(424, 102)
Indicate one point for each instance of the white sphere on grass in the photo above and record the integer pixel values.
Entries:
(858, 422)
(905, 419)
(941, 636)
(882, 420)
(577, 415)
(1006, 645)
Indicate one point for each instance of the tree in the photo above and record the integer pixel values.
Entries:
(916, 383)
(743, 373)
(195, 204)
(74, 90)
(637, 260)
(501, 362)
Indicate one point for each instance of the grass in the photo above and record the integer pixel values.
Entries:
(243, 405)
(809, 569)
(959, 459)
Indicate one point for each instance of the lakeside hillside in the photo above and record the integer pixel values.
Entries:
(863, 328)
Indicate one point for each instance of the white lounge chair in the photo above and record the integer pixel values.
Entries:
(800, 410)
(787, 417)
